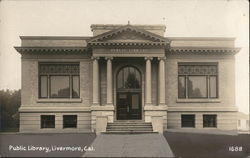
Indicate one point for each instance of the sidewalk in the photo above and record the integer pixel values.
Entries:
(130, 145)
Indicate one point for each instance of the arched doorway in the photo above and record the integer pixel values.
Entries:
(128, 93)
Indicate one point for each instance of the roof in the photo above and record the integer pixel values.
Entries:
(128, 36)
(55, 37)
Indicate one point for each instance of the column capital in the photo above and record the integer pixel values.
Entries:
(109, 58)
(162, 58)
(95, 58)
(148, 58)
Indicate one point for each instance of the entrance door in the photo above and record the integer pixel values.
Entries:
(128, 106)
(128, 103)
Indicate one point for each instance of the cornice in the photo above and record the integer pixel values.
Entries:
(128, 44)
(202, 50)
(51, 49)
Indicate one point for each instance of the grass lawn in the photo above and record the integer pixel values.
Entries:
(190, 145)
(44, 140)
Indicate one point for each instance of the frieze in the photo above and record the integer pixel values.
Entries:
(197, 69)
(123, 52)
(127, 50)
(59, 69)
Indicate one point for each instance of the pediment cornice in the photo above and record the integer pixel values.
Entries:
(128, 35)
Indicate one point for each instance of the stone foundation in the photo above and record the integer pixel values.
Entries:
(101, 112)
(157, 115)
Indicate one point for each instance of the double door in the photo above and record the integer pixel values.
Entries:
(128, 106)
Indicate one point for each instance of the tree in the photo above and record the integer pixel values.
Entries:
(10, 101)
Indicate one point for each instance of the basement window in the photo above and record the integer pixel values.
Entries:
(187, 120)
(209, 121)
(47, 121)
(69, 121)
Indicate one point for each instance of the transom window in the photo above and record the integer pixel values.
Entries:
(59, 80)
(197, 80)
(128, 78)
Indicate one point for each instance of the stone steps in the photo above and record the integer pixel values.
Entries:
(131, 126)
(129, 132)
(130, 129)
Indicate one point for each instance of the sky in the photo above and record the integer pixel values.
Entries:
(183, 18)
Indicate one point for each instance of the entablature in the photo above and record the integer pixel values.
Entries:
(128, 52)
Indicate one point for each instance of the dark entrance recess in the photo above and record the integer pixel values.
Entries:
(129, 94)
(129, 106)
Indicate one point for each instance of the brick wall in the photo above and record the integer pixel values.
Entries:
(30, 119)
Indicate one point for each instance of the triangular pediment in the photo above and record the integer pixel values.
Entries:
(128, 34)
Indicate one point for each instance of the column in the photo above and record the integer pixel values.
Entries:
(96, 97)
(161, 76)
(148, 81)
(109, 81)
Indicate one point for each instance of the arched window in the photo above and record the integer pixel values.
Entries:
(129, 78)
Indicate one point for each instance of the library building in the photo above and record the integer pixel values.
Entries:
(127, 78)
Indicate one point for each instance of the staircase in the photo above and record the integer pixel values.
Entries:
(129, 126)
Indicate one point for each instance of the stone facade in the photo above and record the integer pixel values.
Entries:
(100, 58)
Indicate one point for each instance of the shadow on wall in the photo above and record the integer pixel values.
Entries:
(10, 101)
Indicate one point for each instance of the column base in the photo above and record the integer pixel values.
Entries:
(162, 104)
(109, 104)
(95, 104)
(148, 104)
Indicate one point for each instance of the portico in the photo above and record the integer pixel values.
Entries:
(139, 98)
(129, 102)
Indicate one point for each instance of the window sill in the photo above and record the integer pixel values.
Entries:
(198, 101)
(61, 100)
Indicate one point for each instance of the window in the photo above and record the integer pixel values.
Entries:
(69, 121)
(209, 120)
(59, 80)
(47, 121)
(187, 120)
(197, 80)
(129, 78)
